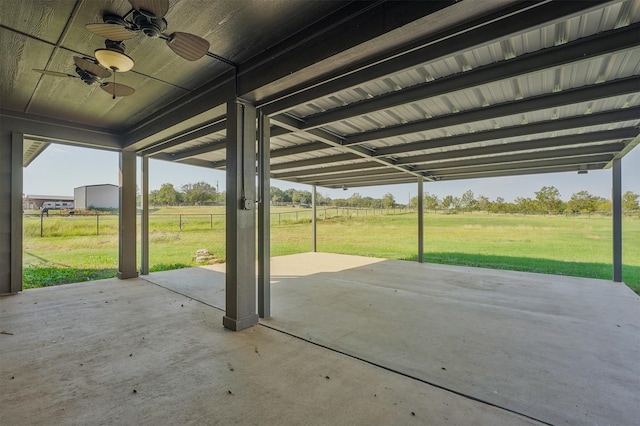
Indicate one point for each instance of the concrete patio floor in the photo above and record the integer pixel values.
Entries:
(352, 340)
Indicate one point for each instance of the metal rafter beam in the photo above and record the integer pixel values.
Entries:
(516, 131)
(610, 148)
(330, 139)
(620, 154)
(278, 131)
(368, 184)
(567, 97)
(327, 170)
(478, 32)
(582, 49)
(351, 183)
(203, 130)
(190, 161)
(298, 149)
(557, 142)
(294, 124)
(210, 147)
(340, 177)
(555, 162)
(593, 137)
(507, 132)
(338, 158)
(363, 176)
(523, 171)
(302, 163)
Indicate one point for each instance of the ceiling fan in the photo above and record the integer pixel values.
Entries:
(90, 72)
(147, 17)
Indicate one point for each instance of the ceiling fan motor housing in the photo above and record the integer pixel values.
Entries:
(115, 45)
(109, 18)
(149, 25)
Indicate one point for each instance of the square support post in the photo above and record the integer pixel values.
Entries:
(240, 217)
(617, 219)
(420, 221)
(314, 226)
(144, 220)
(17, 141)
(264, 216)
(127, 223)
(11, 212)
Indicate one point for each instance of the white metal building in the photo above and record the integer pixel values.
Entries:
(103, 196)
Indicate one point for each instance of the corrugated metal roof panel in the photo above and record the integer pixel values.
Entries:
(195, 143)
(595, 22)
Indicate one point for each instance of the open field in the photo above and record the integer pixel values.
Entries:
(71, 251)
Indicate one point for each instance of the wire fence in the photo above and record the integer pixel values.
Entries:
(59, 224)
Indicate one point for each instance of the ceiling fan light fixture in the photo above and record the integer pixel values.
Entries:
(113, 60)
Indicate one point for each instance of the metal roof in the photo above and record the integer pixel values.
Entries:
(463, 90)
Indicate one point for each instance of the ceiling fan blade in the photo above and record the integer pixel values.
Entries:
(55, 73)
(189, 46)
(92, 67)
(114, 32)
(156, 8)
(117, 89)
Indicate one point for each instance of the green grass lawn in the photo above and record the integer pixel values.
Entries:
(71, 251)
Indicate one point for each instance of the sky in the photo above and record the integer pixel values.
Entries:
(61, 168)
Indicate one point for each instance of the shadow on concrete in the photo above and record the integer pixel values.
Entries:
(631, 274)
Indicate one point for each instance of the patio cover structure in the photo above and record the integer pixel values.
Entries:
(331, 94)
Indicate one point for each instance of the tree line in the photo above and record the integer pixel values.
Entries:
(195, 194)
(546, 200)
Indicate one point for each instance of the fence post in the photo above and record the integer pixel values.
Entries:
(41, 228)
(211, 221)
(97, 224)
(279, 218)
(180, 221)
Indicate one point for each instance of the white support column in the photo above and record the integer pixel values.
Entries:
(314, 227)
(420, 221)
(264, 216)
(241, 217)
(127, 223)
(617, 219)
(144, 222)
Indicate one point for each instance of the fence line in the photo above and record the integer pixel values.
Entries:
(107, 224)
